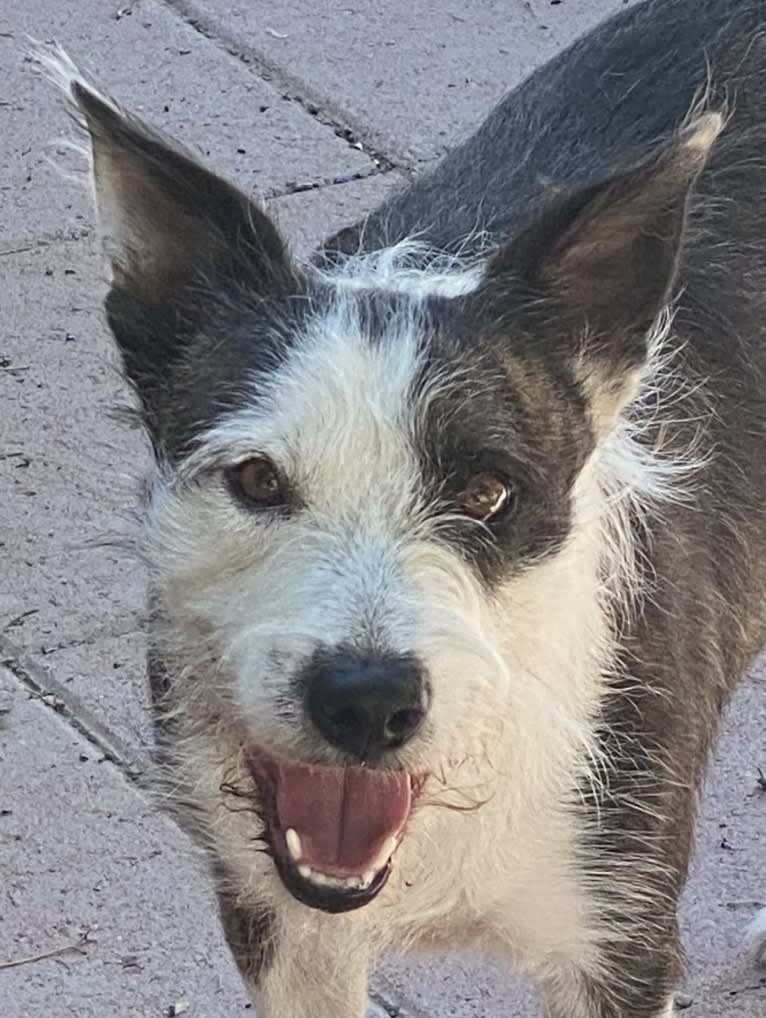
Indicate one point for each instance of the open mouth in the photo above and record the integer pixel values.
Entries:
(332, 831)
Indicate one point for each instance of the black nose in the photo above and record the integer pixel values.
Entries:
(366, 704)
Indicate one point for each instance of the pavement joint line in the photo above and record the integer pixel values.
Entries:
(134, 624)
(62, 701)
(291, 88)
(23, 245)
(319, 185)
(67, 705)
(136, 628)
(381, 1001)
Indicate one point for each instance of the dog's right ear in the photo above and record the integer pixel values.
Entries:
(186, 251)
(178, 238)
(167, 222)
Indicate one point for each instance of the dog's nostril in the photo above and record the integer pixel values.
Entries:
(365, 705)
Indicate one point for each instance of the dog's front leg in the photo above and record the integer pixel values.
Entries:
(634, 978)
(318, 971)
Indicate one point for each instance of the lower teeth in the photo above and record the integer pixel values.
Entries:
(356, 883)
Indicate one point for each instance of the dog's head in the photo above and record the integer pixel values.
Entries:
(379, 533)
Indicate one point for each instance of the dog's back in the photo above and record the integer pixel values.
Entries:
(602, 102)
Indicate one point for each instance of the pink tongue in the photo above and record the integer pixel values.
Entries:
(343, 815)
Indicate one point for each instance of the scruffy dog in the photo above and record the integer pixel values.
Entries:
(457, 532)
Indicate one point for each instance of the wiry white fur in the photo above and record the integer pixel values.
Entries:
(640, 474)
(411, 267)
(116, 229)
(362, 562)
(62, 71)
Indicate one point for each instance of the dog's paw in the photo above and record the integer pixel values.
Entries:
(756, 938)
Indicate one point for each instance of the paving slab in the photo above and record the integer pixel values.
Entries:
(162, 69)
(68, 471)
(107, 676)
(409, 78)
(92, 871)
(728, 878)
(86, 860)
(307, 219)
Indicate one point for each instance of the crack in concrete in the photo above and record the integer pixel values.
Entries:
(291, 88)
(381, 1000)
(68, 705)
(23, 245)
(343, 179)
(134, 628)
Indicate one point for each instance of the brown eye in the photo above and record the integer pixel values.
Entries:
(257, 483)
(486, 496)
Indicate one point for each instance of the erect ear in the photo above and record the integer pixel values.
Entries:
(189, 254)
(601, 263)
(167, 222)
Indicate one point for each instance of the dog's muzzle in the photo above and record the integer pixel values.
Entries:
(333, 831)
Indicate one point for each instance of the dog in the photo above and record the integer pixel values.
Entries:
(457, 531)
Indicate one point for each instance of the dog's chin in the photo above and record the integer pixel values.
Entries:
(332, 832)
(325, 898)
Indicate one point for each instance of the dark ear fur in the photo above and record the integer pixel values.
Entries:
(166, 220)
(603, 261)
(182, 244)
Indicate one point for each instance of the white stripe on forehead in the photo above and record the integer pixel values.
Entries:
(412, 268)
(339, 394)
(338, 412)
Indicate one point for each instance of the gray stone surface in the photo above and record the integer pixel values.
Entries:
(107, 675)
(309, 217)
(81, 848)
(165, 71)
(68, 472)
(728, 878)
(90, 870)
(85, 856)
(410, 78)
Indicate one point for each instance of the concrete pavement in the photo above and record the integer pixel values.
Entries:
(322, 107)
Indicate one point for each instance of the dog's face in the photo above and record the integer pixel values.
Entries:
(378, 533)
(345, 542)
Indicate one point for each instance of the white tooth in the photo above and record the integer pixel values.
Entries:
(339, 883)
(353, 883)
(293, 843)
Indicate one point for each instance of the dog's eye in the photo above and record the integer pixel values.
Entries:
(487, 496)
(257, 482)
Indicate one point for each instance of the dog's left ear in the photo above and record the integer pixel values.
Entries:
(598, 267)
